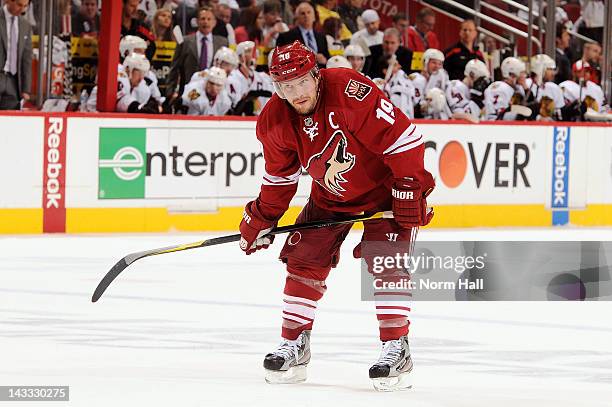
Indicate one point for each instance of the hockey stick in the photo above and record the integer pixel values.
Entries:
(131, 258)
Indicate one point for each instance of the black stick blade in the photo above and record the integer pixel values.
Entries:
(109, 278)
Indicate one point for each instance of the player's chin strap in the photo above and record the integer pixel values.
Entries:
(131, 258)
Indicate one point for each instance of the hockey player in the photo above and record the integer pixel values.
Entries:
(581, 93)
(355, 55)
(462, 97)
(133, 44)
(540, 84)
(208, 97)
(363, 155)
(134, 94)
(432, 75)
(498, 97)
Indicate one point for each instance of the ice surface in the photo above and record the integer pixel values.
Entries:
(191, 329)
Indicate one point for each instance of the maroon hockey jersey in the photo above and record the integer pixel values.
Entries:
(352, 145)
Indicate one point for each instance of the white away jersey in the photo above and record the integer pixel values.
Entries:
(400, 90)
(497, 99)
(198, 103)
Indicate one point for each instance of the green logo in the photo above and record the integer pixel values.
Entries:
(122, 163)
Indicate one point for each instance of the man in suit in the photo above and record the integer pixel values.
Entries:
(195, 53)
(304, 33)
(389, 46)
(15, 55)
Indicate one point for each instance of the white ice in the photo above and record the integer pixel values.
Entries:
(191, 329)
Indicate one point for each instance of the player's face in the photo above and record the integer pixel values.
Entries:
(212, 90)
(301, 93)
(135, 77)
(228, 68)
(549, 75)
(356, 63)
(434, 66)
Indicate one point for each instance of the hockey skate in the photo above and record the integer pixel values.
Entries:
(287, 364)
(392, 370)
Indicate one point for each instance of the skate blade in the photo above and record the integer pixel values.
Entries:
(295, 374)
(399, 383)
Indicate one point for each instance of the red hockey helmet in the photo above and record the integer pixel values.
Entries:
(291, 61)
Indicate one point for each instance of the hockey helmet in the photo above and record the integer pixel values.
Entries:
(338, 61)
(129, 43)
(476, 69)
(227, 55)
(432, 53)
(216, 76)
(244, 47)
(512, 66)
(290, 62)
(540, 64)
(136, 61)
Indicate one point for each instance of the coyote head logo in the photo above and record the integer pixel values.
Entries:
(327, 167)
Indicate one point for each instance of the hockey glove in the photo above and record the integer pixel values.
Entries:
(253, 231)
(409, 203)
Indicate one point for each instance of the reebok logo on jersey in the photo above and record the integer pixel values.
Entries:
(327, 167)
(357, 90)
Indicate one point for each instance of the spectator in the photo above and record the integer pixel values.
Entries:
(564, 66)
(400, 21)
(325, 9)
(304, 32)
(250, 26)
(350, 13)
(370, 34)
(87, 20)
(194, 54)
(15, 55)
(224, 28)
(162, 25)
(378, 53)
(332, 29)
(132, 26)
(420, 36)
(273, 24)
(459, 54)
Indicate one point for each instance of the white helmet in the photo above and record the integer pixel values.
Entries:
(217, 76)
(476, 69)
(136, 61)
(432, 53)
(353, 51)
(243, 47)
(512, 66)
(227, 55)
(436, 100)
(129, 43)
(540, 64)
(338, 61)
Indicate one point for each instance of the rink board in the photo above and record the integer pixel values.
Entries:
(118, 173)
